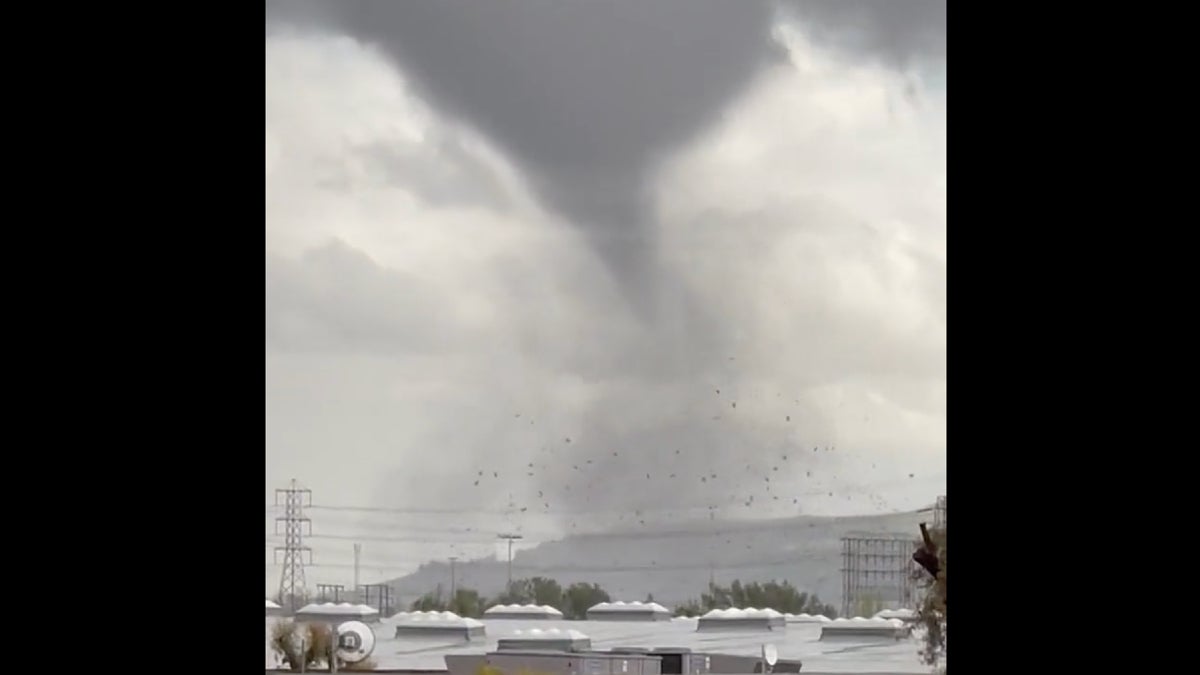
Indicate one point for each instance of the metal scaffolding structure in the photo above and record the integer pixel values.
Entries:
(939, 513)
(877, 570)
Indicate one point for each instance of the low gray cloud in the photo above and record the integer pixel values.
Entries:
(336, 299)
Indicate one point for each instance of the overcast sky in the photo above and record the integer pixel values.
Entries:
(521, 247)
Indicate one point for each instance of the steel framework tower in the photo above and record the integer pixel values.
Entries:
(291, 580)
(939, 513)
(877, 568)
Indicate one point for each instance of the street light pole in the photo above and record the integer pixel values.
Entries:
(510, 538)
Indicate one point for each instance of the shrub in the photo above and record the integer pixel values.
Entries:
(287, 637)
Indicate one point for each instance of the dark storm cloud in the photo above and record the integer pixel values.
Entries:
(894, 31)
(586, 95)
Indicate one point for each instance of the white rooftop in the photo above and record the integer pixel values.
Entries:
(523, 609)
(806, 618)
(639, 607)
(271, 605)
(747, 613)
(903, 614)
(862, 622)
(432, 620)
(549, 634)
(339, 609)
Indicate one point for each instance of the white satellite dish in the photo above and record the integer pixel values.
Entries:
(770, 654)
(356, 641)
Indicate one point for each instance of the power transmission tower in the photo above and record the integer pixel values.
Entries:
(510, 538)
(291, 580)
(453, 559)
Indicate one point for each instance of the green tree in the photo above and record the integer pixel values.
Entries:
(546, 591)
(434, 601)
(931, 611)
(466, 602)
(579, 597)
(868, 605)
(536, 590)
(779, 596)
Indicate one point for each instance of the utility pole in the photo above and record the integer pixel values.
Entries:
(291, 579)
(453, 558)
(357, 555)
(712, 572)
(510, 538)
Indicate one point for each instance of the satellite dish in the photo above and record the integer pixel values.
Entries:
(770, 654)
(356, 641)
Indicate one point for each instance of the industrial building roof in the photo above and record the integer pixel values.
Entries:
(542, 611)
(633, 607)
(850, 654)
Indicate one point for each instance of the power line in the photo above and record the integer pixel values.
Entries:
(597, 569)
(725, 504)
(699, 530)
(399, 540)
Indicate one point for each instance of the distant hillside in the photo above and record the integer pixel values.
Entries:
(675, 565)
